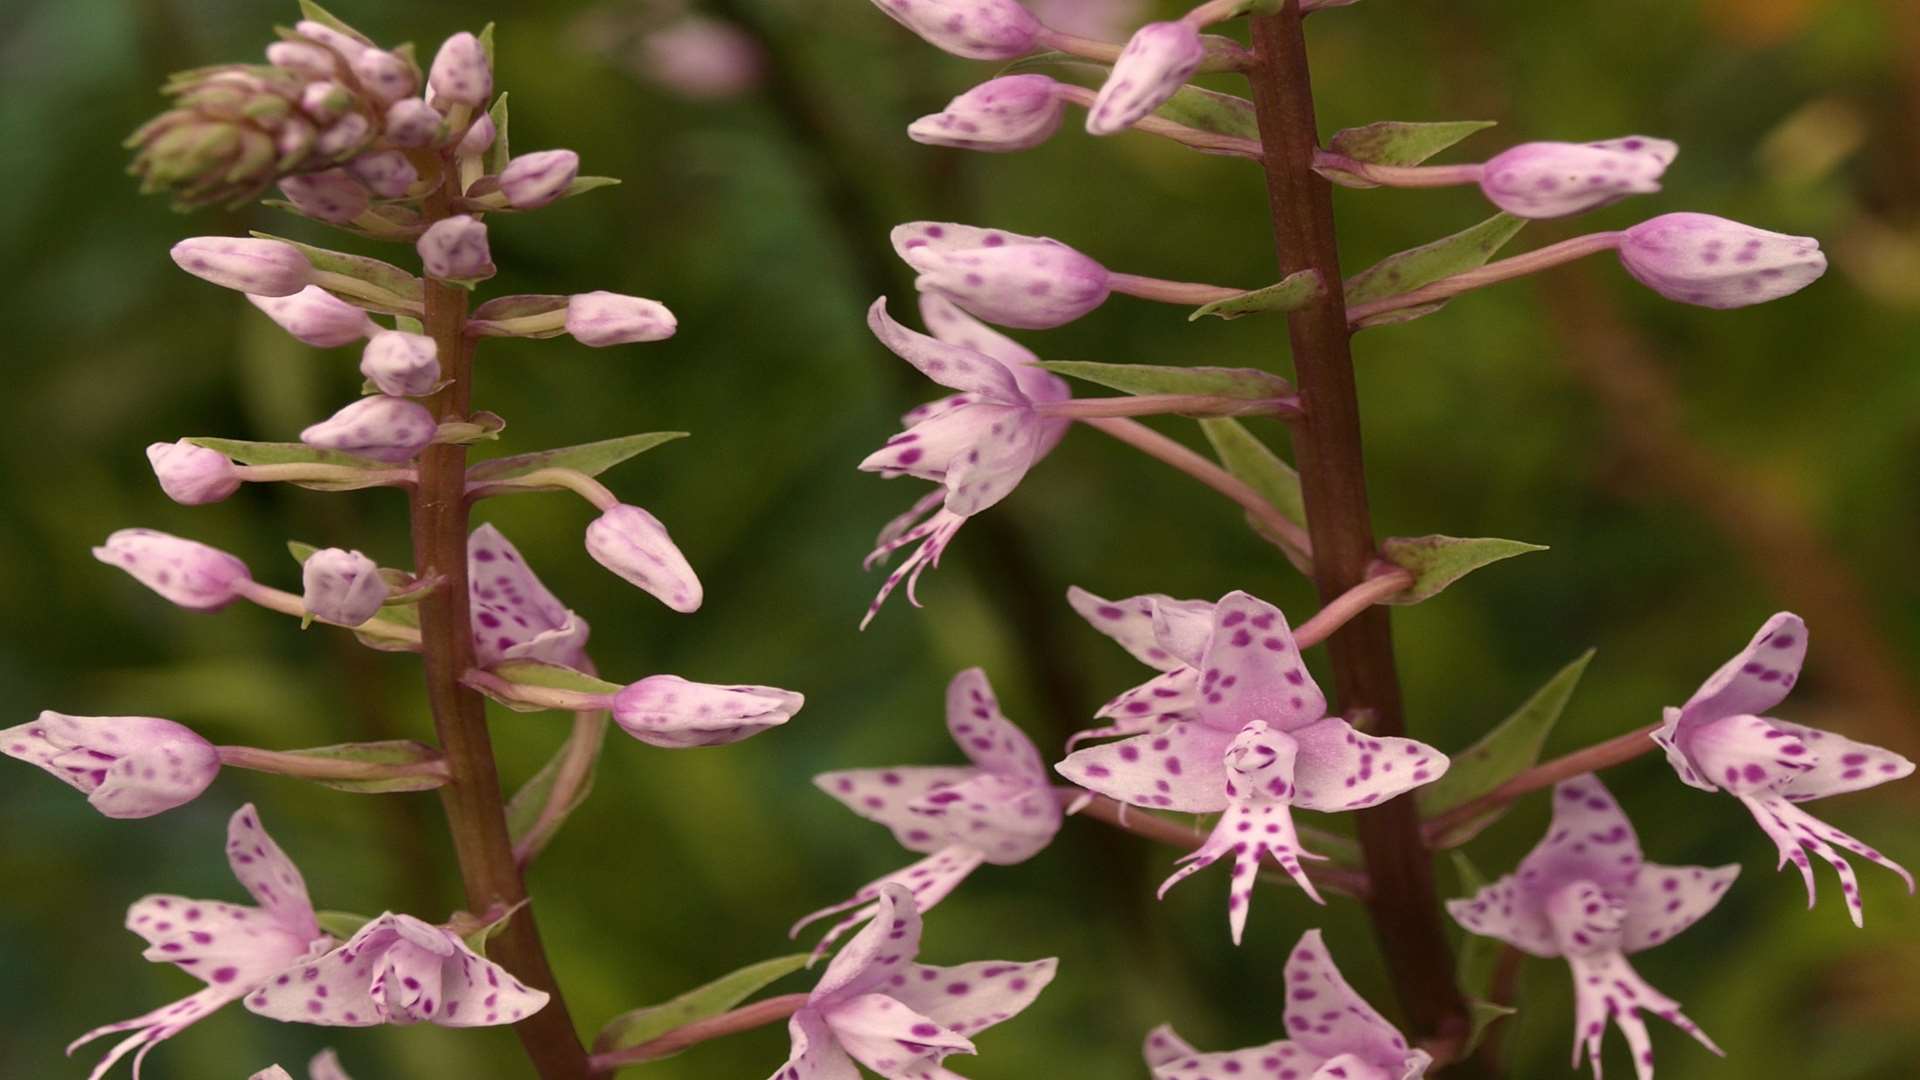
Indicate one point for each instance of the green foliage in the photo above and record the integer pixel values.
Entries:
(1439, 561)
(1291, 293)
(1250, 383)
(635, 1027)
(1408, 270)
(591, 458)
(1511, 747)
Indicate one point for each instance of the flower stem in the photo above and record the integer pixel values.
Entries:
(1171, 404)
(572, 480)
(1170, 292)
(1404, 906)
(476, 814)
(545, 697)
(1400, 176)
(308, 767)
(1619, 749)
(1205, 141)
(576, 771)
(287, 603)
(1150, 442)
(294, 471)
(745, 1018)
(1343, 608)
(1504, 270)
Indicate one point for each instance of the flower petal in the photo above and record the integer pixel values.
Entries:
(949, 365)
(325, 1065)
(945, 320)
(1326, 1016)
(1164, 1045)
(1744, 754)
(150, 1029)
(333, 989)
(1130, 622)
(890, 1038)
(970, 998)
(931, 446)
(1252, 670)
(1840, 764)
(886, 795)
(995, 464)
(515, 616)
(671, 712)
(876, 952)
(1274, 1059)
(985, 734)
(1604, 985)
(933, 535)
(1339, 768)
(929, 880)
(1664, 900)
(1756, 679)
(1590, 839)
(1504, 911)
(226, 946)
(1793, 829)
(815, 1055)
(266, 872)
(1175, 767)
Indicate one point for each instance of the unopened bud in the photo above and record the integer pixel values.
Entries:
(1013, 112)
(316, 317)
(1554, 179)
(460, 71)
(1157, 62)
(185, 572)
(401, 364)
(257, 267)
(669, 711)
(387, 172)
(975, 29)
(384, 76)
(330, 195)
(455, 249)
(341, 586)
(412, 123)
(1710, 261)
(1004, 278)
(605, 318)
(382, 428)
(633, 544)
(531, 181)
(303, 59)
(192, 475)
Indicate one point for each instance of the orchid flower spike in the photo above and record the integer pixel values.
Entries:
(190, 574)
(633, 544)
(1555, 179)
(324, 1066)
(975, 29)
(1026, 282)
(316, 317)
(1719, 741)
(383, 428)
(1335, 1034)
(397, 970)
(1585, 893)
(1001, 809)
(515, 617)
(230, 947)
(1157, 62)
(876, 1006)
(1712, 262)
(1243, 730)
(192, 475)
(977, 444)
(1012, 112)
(127, 766)
(342, 587)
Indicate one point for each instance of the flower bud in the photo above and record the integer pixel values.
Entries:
(306, 60)
(1013, 112)
(479, 136)
(1554, 179)
(387, 172)
(345, 44)
(975, 29)
(340, 586)
(1029, 282)
(1156, 63)
(606, 318)
(1710, 261)
(455, 249)
(382, 428)
(345, 135)
(324, 101)
(316, 317)
(531, 181)
(633, 544)
(192, 475)
(256, 267)
(401, 364)
(384, 76)
(460, 71)
(187, 573)
(128, 766)
(412, 123)
(668, 711)
(331, 196)
(701, 58)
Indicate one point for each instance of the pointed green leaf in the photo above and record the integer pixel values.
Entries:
(591, 458)
(524, 810)
(270, 453)
(382, 275)
(1393, 142)
(583, 184)
(1291, 293)
(716, 997)
(1439, 561)
(552, 676)
(1253, 461)
(497, 155)
(386, 752)
(486, 43)
(477, 939)
(1481, 1015)
(1249, 383)
(300, 552)
(1408, 270)
(1193, 106)
(341, 924)
(1479, 956)
(1512, 746)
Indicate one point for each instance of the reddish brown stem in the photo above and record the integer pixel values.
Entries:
(1614, 751)
(745, 1018)
(476, 815)
(1404, 906)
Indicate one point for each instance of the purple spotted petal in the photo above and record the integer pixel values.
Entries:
(1555, 179)
(1664, 900)
(887, 796)
(1339, 768)
(1130, 622)
(932, 537)
(1165, 698)
(953, 366)
(886, 945)
(325, 1065)
(1004, 278)
(1840, 764)
(1589, 839)
(890, 1038)
(316, 317)
(975, 29)
(128, 766)
(1712, 262)
(947, 322)
(515, 617)
(1176, 767)
(929, 880)
(970, 998)
(1795, 832)
(814, 1054)
(189, 574)
(150, 1029)
(1757, 678)
(1164, 1046)
(1252, 670)
(668, 711)
(1273, 1060)
(985, 734)
(1606, 986)
(268, 875)
(634, 544)
(1013, 112)
(1327, 1018)
(1157, 62)
(942, 440)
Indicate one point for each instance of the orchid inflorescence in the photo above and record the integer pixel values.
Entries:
(1231, 723)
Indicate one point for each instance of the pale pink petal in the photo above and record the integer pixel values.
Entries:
(1590, 839)
(515, 617)
(887, 795)
(1275, 1059)
(1339, 768)
(1252, 670)
(949, 365)
(1840, 764)
(1328, 1018)
(1505, 911)
(815, 1055)
(1664, 900)
(929, 881)
(890, 1038)
(885, 946)
(1605, 985)
(1756, 679)
(1176, 767)
(150, 1029)
(1793, 829)
(995, 464)
(1164, 1045)
(1129, 622)
(266, 872)
(970, 998)
(1008, 820)
(985, 734)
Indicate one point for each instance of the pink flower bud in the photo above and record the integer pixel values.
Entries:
(384, 76)
(668, 711)
(387, 172)
(345, 44)
(382, 428)
(1014, 112)
(412, 123)
(531, 181)
(975, 29)
(324, 101)
(301, 58)
(1554, 179)
(192, 475)
(460, 71)
(330, 196)
(1005, 278)
(316, 317)
(479, 136)
(633, 544)
(401, 364)
(1710, 261)
(606, 318)
(1157, 62)
(128, 766)
(701, 58)
(256, 267)
(455, 249)
(341, 586)
(347, 133)
(189, 574)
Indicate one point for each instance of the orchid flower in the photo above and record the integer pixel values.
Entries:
(127, 766)
(1718, 741)
(398, 970)
(515, 617)
(1585, 893)
(1336, 1034)
(977, 444)
(1253, 740)
(231, 948)
(324, 1066)
(876, 1006)
(1001, 809)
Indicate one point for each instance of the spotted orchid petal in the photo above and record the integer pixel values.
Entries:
(1661, 901)
(888, 1037)
(1028, 282)
(127, 766)
(268, 875)
(1327, 1018)
(325, 1065)
(1174, 767)
(970, 998)
(1163, 1046)
(930, 881)
(887, 796)
(1274, 1059)
(1757, 678)
(1840, 764)
(515, 617)
(1252, 670)
(1164, 699)
(151, 1029)
(953, 366)
(815, 1054)
(932, 535)
(1606, 986)
(940, 442)
(189, 574)
(871, 956)
(671, 712)
(984, 733)
(1130, 623)
(1338, 768)
(1795, 832)
(634, 545)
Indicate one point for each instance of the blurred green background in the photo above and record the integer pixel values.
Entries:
(1692, 470)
